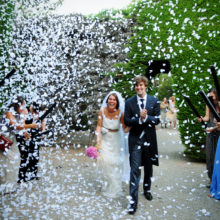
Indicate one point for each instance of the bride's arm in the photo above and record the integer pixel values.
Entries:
(126, 129)
(98, 128)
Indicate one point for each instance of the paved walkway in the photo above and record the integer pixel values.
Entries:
(68, 189)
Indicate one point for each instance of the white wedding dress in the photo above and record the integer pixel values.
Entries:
(110, 159)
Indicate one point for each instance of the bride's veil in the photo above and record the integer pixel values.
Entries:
(124, 138)
(120, 99)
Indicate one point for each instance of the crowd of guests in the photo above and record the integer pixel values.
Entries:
(213, 146)
(21, 122)
(168, 113)
(168, 119)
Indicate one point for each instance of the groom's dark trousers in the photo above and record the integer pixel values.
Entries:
(143, 151)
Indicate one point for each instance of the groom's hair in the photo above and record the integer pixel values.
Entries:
(116, 97)
(139, 79)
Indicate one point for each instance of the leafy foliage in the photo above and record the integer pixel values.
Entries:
(6, 18)
(186, 34)
(164, 87)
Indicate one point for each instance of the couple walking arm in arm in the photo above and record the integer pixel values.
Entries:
(141, 115)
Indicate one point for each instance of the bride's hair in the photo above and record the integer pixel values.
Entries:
(116, 97)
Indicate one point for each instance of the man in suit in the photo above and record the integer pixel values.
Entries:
(142, 113)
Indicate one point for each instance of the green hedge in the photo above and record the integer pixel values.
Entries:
(6, 18)
(187, 34)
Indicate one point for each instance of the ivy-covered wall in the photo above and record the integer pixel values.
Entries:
(186, 33)
(6, 18)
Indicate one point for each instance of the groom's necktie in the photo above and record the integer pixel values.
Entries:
(142, 103)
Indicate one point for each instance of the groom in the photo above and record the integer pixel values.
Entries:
(142, 113)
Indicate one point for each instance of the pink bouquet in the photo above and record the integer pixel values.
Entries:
(92, 152)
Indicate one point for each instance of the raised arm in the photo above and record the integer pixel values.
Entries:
(206, 117)
(43, 125)
(14, 123)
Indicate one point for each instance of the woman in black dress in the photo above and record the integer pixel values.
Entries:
(212, 134)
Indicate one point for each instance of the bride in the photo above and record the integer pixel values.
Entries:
(110, 137)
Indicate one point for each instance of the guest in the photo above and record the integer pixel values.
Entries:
(35, 110)
(212, 134)
(16, 115)
(163, 111)
(215, 184)
(171, 114)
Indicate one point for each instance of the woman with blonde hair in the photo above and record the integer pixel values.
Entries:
(171, 114)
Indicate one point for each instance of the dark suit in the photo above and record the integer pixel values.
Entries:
(143, 152)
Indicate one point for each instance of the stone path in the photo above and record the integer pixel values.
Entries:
(69, 189)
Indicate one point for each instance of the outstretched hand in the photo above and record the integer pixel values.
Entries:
(34, 126)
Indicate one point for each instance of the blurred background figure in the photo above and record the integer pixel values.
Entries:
(172, 111)
(35, 110)
(163, 112)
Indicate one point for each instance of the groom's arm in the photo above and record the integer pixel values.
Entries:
(154, 119)
(130, 119)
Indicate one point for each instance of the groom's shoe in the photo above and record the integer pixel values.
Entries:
(132, 209)
(148, 196)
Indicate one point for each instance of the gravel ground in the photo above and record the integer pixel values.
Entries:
(69, 188)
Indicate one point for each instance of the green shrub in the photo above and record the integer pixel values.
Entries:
(164, 87)
(6, 18)
(186, 33)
